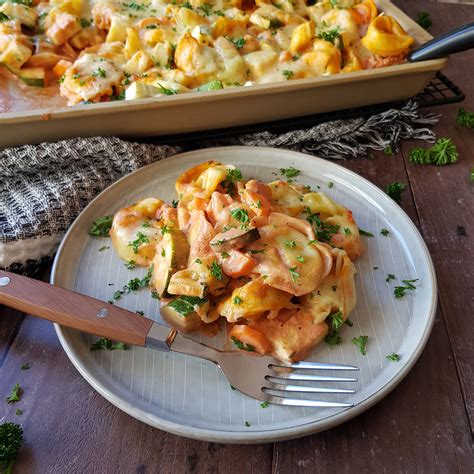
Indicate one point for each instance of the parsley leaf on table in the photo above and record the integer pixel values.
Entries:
(394, 190)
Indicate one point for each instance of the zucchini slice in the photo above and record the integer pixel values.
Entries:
(210, 86)
(181, 313)
(172, 254)
(234, 239)
(33, 76)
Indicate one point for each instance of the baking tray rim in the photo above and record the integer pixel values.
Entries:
(283, 87)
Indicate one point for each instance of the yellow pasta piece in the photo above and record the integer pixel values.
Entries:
(386, 37)
(301, 36)
(252, 300)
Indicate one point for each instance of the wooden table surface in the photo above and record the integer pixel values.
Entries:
(425, 425)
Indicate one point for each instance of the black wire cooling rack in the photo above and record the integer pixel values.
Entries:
(440, 91)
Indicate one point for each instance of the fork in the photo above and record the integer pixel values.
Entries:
(259, 377)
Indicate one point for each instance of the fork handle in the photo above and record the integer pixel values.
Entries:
(72, 309)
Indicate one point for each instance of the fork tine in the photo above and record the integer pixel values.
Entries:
(308, 378)
(300, 388)
(317, 366)
(307, 403)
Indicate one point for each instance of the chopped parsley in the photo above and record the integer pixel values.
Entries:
(365, 232)
(215, 270)
(394, 190)
(85, 22)
(25, 366)
(424, 20)
(198, 260)
(375, 268)
(99, 72)
(465, 118)
(390, 277)
(141, 313)
(155, 295)
(287, 73)
(185, 305)
(140, 240)
(324, 231)
(241, 345)
(385, 232)
(106, 343)
(300, 258)
(394, 357)
(247, 424)
(290, 244)
(187, 5)
(105, 247)
(145, 224)
(334, 287)
(151, 27)
(130, 264)
(232, 387)
(101, 226)
(264, 404)
(294, 273)
(256, 251)
(19, 412)
(290, 172)
(134, 6)
(240, 215)
(233, 175)
(389, 151)
(239, 43)
(330, 35)
(135, 284)
(330, 184)
(335, 322)
(206, 9)
(166, 91)
(15, 395)
(174, 203)
(275, 23)
(4, 17)
(163, 252)
(443, 152)
(347, 231)
(225, 255)
(399, 291)
(166, 229)
(349, 322)
(237, 300)
(361, 343)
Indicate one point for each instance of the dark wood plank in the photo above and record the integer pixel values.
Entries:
(70, 428)
(10, 322)
(444, 199)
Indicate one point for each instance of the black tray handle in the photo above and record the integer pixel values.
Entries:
(453, 41)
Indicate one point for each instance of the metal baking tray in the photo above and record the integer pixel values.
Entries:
(230, 107)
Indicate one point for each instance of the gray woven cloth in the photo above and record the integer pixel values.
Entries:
(44, 187)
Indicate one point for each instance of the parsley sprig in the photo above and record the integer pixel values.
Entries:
(140, 240)
(424, 20)
(361, 343)
(465, 118)
(241, 345)
(395, 189)
(443, 152)
(15, 395)
(335, 322)
(101, 226)
(106, 343)
(399, 291)
(135, 284)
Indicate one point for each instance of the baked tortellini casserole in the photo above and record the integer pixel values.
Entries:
(102, 50)
(269, 262)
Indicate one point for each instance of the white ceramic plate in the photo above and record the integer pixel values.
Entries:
(190, 397)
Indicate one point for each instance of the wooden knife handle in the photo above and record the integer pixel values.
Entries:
(72, 309)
